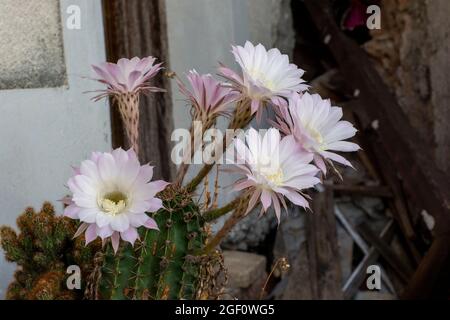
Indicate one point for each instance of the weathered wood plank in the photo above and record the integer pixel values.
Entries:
(402, 269)
(432, 277)
(373, 191)
(138, 28)
(353, 283)
(323, 253)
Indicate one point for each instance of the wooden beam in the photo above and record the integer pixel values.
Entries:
(432, 277)
(323, 253)
(138, 28)
(358, 275)
(402, 270)
(371, 191)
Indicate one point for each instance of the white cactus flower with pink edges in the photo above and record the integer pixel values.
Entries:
(318, 128)
(127, 76)
(111, 193)
(267, 75)
(275, 168)
(209, 97)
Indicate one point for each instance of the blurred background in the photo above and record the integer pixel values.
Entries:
(385, 62)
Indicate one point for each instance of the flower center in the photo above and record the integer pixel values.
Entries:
(262, 78)
(276, 178)
(272, 174)
(316, 136)
(113, 203)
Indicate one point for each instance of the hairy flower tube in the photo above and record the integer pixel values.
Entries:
(318, 128)
(267, 75)
(111, 193)
(275, 168)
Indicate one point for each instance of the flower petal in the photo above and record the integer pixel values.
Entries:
(90, 234)
(72, 211)
(115, 240)
(120, 223)
(266, 199)
(151, 224)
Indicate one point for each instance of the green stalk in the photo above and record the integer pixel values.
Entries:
(240, 205)
(217, 213)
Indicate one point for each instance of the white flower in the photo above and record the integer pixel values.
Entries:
(127, 76)
(111, 194)
(275, 168)
(317, 127)
(267, 75)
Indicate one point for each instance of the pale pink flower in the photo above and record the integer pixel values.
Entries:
(208, 96)
(111, 193)
(318, 128)
(127, 76)
(267, 76)
(275, 168)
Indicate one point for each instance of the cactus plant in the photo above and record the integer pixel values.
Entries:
(163, 264)
(43, 249)
(156, 243)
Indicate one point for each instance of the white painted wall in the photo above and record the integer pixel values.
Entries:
(45, 131)
(200, 34)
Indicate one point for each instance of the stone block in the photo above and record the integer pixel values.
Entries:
(31, 44)
(244, 268)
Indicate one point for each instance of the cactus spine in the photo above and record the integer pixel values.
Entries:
(163, 265)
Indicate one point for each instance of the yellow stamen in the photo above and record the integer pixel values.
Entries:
(258, 75)
(276, 178)
(113, 203)
(317, 137)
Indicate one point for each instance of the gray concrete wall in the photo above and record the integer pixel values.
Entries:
(43, 131)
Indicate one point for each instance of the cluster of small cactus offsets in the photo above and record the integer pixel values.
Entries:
(44, 249)
(155, 238)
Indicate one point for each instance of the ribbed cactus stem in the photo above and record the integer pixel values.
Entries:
(128, 104)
